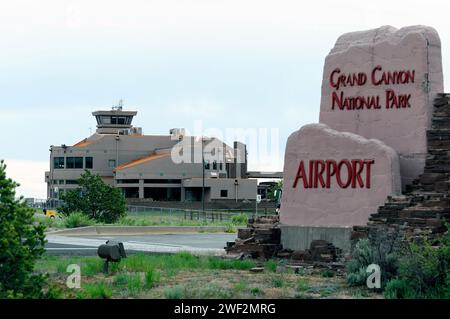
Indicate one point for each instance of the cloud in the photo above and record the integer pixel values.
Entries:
(30, 175)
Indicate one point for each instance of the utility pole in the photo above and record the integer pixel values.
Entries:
(203, 179)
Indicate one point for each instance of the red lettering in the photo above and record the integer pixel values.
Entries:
(311, 172)
(337, 100)
(332, 83)
(300, 175)
(318, 173)
(374, 80)
(368, 162)
(357, 173)
(331, 170)
(317, 169)
(349, 174)
(391, 99)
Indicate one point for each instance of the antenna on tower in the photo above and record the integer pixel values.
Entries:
(119, 106)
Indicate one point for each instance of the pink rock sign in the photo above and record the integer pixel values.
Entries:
(381, 84)
(333, 178)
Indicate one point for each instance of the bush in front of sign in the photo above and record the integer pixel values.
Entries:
(424, 271)
(366, 253)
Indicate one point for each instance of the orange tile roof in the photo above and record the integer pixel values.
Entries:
(83, 143)
(141, 160)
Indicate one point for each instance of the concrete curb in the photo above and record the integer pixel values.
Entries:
(136, 230)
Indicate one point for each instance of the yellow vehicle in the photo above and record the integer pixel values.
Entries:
(50, 213)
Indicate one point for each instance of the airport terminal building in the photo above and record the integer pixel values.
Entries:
(171, 167)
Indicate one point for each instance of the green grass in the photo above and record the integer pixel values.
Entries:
(155, 218)
(134, 284)
(145, 263)
(176, 292)
(152, 278)
(328, 273)
(270, 266)
(134, 220)
(240, 287)
(98, 290)
(182, 275)
(302, 285)
(278, 281)
(256, 291)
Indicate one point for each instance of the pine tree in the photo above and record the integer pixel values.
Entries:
(21, 244)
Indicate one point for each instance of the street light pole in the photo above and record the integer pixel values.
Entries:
(203, 180)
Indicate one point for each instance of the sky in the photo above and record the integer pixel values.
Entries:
(222, 63)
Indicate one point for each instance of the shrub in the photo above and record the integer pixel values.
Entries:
(230, 228)
(278, 281)
(120, 280)
(410, 270)
(134, 284)
(22, 243)
(424, 272)
(302, 285)
(151, 279)
(328, 273)
(271, 266)
(256, 291)
(77, 219)
(382, 252)
(398, 289)
(176, 292)
(94, 198)
(219, 263)
(240, 219)
(97, 291)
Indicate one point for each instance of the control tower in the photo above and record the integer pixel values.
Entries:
(114, 121)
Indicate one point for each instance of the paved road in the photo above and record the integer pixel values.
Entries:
(202, 243)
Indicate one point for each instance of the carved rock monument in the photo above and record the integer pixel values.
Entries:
(381, 84)
(377, 103)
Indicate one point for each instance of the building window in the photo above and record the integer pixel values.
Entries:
(111, 163)
(220, 166)
(214, 165)
(61, 182)
(207, 165)
(58, 162)
(127, 181)
(224, 193)
(74, 162)
(88, 162)
(162, 181)
(71, 182)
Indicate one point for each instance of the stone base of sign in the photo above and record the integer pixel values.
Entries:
(260, 239)
(301, 237)
(421, 212)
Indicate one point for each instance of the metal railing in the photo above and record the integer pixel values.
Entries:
(195, 214)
